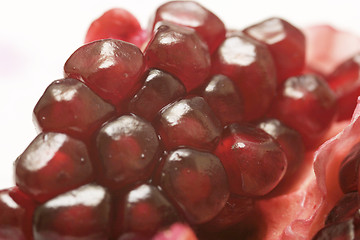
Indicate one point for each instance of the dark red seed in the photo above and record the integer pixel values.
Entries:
(144, 210)
(196, 181)
(349, 229)
(308, 105)
(16, 215)
(52, 164)
(189, 122)
(349, 170)
(191, 14)
(127, 149)
(286, 44)
(224, 99)
(83, 213)
(344, 209)
(117, 23)
(253, 160)
(345, 83)
(250, 66)
(179, 51)
(160, 88)
(111, 68)
(69, 106)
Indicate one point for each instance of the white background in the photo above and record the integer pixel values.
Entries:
(36, 38)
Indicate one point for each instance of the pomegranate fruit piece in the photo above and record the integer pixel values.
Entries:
(191, 14)
(83, 213)
(345, 83)
(111, 68)
(160, 88)
(308, 105)
(144, 210)
(69, 106)
(179, 51)
(344, 209)
(286, 44)
(189, 122)
(196, 181)
(224, 99)
(117, 23)
(349, 170)
(127, 150)
(16, 214)
(289, 140)
(52, 164)
(250, 66)
(253, 160)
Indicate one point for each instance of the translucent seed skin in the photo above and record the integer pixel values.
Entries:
(253, 160)
(250, 66)
(127, 151)
(70, 107)
(196, 181)
(111, 68)
(191, 14)
(52, 164)
(179, 51)
(286, 44)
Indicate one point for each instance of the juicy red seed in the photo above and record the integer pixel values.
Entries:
(16, 214)
(196, 181)
(191, 14)
(236, 210)
(179, 51)
(160, 88)
(52, 164)
(69, 106)
(117, 23)
(111, 68)
(253, 160)
(250, 66)
(83, 213)
(344, 81)
(144, 210)
(349, 170)
(308, 105)
(127, 149)
(189, 122)
(289, 140)
(286, 44)
(349, 229)
(224, 99)
(344, 209)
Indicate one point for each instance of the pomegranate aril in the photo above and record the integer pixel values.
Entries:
(196, 181)
(189, 122)
(16, 214)
(308, 105)
(117, 23)
(349, 229)
(160, 88)
(52, 164)
(144, 210)
(344, 209)
(83, 213)
(345, 81)
(111, 68)
(69, 106)
(127, 151)
(253, 160)
(250, 66)
(289, 140)
(286, 44)
(179, 51)
(349, 170)
(224, 99)
(191, 14)
(177, 231)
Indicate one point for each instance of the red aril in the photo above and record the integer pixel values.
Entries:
(286, 44)
(344, 209)
(116, 23)
(349, 170)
